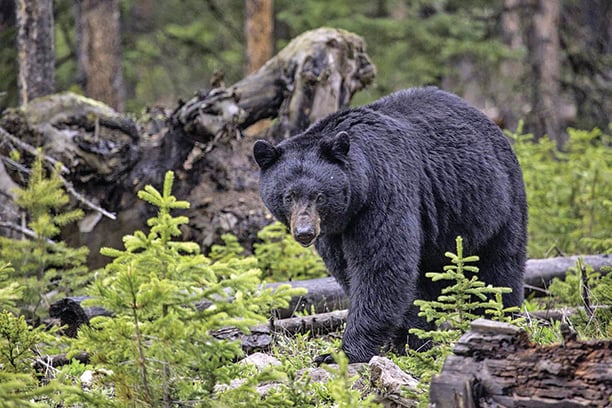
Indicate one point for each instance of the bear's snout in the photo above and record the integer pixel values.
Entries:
(305, 226)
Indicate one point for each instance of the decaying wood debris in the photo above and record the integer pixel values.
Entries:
(495, 365)
(206, 141)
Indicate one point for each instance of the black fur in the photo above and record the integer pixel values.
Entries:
(418, 168)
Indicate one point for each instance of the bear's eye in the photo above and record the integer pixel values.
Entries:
(320, 198)
(289, 198)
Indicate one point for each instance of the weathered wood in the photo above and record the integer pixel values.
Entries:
(495, 364)
(317, 324)
(71, 315)
(43, 364)
(204, 140)
(325, 295)
(316, 74)
(539, 273)
(391, 383)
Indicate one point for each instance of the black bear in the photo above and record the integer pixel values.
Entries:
(384, 189)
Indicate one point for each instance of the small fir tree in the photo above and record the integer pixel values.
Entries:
(159, 344)
(451, 314)
(282, 259)
(460, 301)
(42, 266)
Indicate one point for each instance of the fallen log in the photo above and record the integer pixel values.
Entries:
(261, 337)
(325, 295)
(495, 364)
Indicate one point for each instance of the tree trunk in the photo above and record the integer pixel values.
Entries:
(99, 51)
(545, 58)
(512, 70)
(259, 33)
(586, 38)
(35, 49)
(496, 365)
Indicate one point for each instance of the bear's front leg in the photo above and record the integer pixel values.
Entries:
(329, 248)
(383, 288)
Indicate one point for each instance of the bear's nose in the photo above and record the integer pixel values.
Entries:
(305, 235)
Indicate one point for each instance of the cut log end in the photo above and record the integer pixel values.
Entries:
(496, 365)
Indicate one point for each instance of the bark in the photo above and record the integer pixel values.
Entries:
(495, 365)
(512, 70)
(204, 141)
(259, 33)
(99, 51)
(586, 39)
(545, 59)
(35, 49)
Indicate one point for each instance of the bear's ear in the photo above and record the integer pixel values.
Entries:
(265, 153)
(336, 147)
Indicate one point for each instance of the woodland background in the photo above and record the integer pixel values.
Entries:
(547, 62)
(167, 303)
(543, 63)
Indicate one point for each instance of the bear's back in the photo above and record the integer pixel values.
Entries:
(433, 108)
(470, 170)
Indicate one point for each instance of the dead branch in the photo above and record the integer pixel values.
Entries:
(325, 295)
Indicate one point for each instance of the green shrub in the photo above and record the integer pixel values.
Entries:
(159, 345)
(282, 259)
(21, 385)
(278, 255)
(590, 293)
(569, 193)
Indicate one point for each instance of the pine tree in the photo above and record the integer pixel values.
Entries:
(159, 344)
(46, 269)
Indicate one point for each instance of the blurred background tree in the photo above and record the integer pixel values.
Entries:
(546, 61)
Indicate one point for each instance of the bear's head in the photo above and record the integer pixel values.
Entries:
(304, 182)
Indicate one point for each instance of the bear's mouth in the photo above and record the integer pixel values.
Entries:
(305, 230)
(305, 240)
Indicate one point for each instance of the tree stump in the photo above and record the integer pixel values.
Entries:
(108, 157)
(496, 365)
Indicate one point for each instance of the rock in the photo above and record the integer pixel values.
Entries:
(391, 382)
(261, 361)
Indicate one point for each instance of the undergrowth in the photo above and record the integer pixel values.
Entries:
(168, 299)
(46, 269)
(279, 257)
(569, 192)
